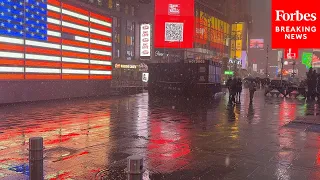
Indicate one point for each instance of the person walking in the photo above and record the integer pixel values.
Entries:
(239, 90)
(252, 89)
(228, 84)
(233, 91)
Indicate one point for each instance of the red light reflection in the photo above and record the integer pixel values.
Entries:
(168, 143)
(287, 112)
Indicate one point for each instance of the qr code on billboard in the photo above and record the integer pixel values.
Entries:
(174, 31)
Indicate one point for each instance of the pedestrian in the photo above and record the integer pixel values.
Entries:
(233, 90)
(252, 89)
(239, 90)
(228, 84)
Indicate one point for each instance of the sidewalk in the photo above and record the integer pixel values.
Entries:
(179, 139)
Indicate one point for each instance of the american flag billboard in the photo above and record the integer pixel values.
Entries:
(50, 39)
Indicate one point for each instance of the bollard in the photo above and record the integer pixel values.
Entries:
(135, 167)
(36, 158)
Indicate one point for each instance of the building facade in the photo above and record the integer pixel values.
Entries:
(221, 30)
(127, 16)
(72, 53)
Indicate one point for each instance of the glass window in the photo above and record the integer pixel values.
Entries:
(130, 40)
(133, 11)
(126, 9)
(116, 37)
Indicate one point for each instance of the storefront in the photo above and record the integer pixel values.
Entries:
(168, 55)
(128, 74)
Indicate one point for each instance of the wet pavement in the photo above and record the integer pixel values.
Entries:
(274, 138)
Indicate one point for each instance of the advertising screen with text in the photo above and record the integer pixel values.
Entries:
(291, 53)
(174, 23)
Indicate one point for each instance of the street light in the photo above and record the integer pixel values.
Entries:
(282, 63)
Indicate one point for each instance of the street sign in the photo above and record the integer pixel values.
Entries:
(229, 73)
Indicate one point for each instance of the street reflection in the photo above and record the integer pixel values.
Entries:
(68, 138)
(86, 137)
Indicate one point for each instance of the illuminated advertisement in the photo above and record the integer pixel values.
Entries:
(256, 43)
(145, 40)
(211, 30)
(236, 40)
(39, 42)
(145, 77)
(174, 23)
(307, 59)
(244, 59)
(291, 53)
(316, 58)
(255, 67)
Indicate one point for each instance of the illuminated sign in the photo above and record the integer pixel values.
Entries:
(236, 40)
(228, 72)
(213, 30)
(145, 40)
(244, 59)
(145, 77)
(256, 43)
(315, 58)
(291, 53)
(54, 40)
(125, 66)
(255, 67)
(235, 61)
(174, 24)
(174, 9)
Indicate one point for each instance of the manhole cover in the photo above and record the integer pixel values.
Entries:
(114, 173)
(58, 152)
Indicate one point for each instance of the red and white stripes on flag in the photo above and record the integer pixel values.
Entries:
(79, 46)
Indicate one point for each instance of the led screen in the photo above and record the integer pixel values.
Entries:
(256, 43)
(316, 58)
(174, 23)
(291, 53)
(307, 59)
(49, 39)
(244, 59)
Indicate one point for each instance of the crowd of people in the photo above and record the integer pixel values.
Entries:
(235, 88)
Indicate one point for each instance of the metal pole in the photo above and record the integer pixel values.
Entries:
(36, 158)
(267, 64)
(135, 168)
(281, 70)
(293, 66)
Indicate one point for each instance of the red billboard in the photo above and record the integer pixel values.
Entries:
(291, 53)
(174, 23)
